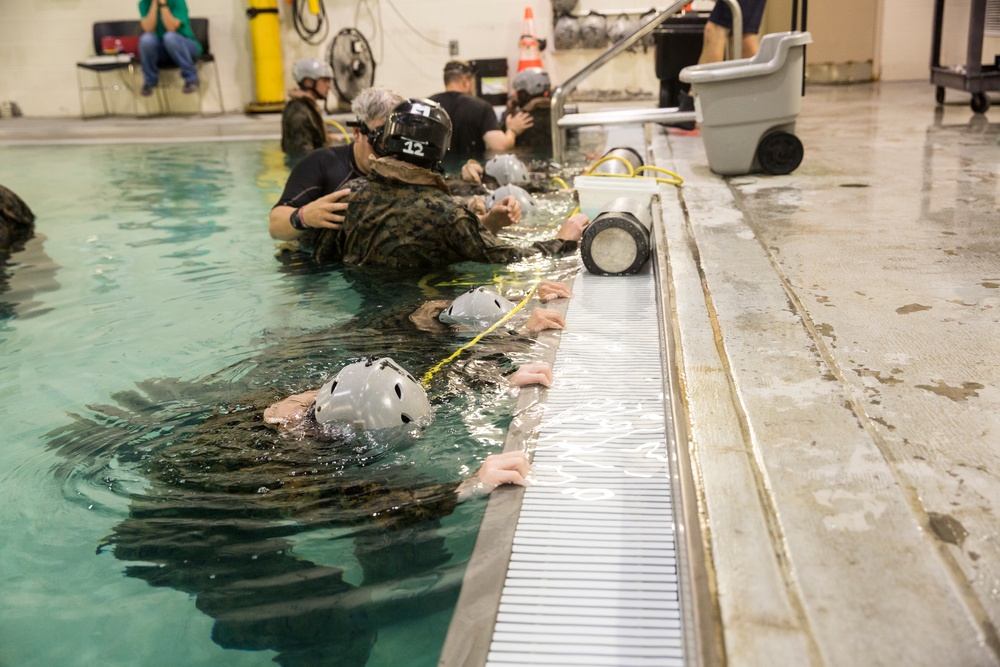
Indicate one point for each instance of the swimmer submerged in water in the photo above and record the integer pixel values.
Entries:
(378, 396)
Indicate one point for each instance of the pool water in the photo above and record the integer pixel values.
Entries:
(145, 517)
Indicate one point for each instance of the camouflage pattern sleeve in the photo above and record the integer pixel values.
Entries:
(302, 128)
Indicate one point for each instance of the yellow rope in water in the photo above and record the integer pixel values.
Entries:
(676, 180)
(556, 179)
(340, 127)
(426, 379)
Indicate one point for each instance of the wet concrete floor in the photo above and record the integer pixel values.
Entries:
(836, 335)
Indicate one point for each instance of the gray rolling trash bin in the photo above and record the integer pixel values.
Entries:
(747, 108)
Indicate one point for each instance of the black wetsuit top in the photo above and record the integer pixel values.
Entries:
(318, 174)
(471, 118)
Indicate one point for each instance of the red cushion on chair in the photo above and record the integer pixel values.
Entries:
(111, 45)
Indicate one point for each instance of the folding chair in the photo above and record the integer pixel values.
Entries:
(200, 29)
(116, 49)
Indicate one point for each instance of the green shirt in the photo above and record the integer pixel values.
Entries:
(180, 12)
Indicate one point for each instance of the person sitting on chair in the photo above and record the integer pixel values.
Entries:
(167, 39)
(302, 126)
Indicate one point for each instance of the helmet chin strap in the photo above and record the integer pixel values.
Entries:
(311, 89)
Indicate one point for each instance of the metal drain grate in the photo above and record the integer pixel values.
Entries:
(592, 578)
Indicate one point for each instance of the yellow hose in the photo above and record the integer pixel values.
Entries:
(590, 170)
(343, 130)
(676, 180)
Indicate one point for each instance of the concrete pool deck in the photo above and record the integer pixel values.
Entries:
(835, 338)
(836, 341)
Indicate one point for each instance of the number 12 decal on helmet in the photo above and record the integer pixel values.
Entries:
(413, 147)
(417, 131)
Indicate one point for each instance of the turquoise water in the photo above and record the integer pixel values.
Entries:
(150, 300)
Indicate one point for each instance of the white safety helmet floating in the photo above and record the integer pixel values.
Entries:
(310, 68)
(523, 197)
(507, 169)
(479, 307)
(372, 394)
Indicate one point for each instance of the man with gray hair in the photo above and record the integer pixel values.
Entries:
(315, 193)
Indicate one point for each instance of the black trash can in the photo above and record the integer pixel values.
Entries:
(678, 44)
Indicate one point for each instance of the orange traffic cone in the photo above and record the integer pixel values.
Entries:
(530, 53)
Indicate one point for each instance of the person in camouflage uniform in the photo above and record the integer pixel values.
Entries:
(302, 126)
(403, 215)
(17, 222)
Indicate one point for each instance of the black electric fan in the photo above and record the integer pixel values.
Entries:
(353, 65)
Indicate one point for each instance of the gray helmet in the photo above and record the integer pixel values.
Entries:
(507, 169)
(563, 6)
(567, 34)
(523, 197)
(534, 81)
(593, 31)
(372, 394)
(621, 28)
(479, 307)
(310, 68)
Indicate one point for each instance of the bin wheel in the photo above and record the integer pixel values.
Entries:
(980, 103)
(939, 94)
(779, 153)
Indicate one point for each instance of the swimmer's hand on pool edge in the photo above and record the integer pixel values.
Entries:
(326, 212)
(497, 469)
(535, 373)
(549, 291)
(542, 319)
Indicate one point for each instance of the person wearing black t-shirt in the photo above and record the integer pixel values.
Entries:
(475, 128)
(312, 199)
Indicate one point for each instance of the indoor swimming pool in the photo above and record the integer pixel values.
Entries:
(145, 516)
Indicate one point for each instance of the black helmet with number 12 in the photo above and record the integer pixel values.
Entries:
(417, 131)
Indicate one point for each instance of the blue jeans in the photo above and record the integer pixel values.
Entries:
(173, 49)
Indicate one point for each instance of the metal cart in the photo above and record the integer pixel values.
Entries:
(972, 77)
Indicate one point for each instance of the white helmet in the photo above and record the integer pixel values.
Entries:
(523, 197)
(310, 68)
(507, 169)
(480, 307)
(372, 394)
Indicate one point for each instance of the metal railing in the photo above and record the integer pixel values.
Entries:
(560, 121)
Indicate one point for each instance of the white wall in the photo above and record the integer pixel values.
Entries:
(41, 40)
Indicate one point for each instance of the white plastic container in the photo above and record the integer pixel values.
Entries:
(739, 104)
(597, 191)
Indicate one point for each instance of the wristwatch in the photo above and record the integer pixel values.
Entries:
(296, 221)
